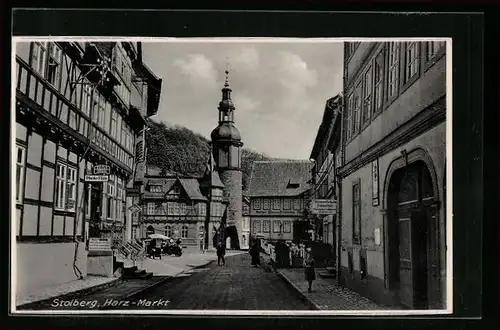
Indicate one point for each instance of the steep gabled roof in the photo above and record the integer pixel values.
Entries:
(279, 178)
(192, 189)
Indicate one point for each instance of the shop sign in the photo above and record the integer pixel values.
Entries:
(133, 192)
(101, 170)
(134, 208)
(323, 206)
(96, 178)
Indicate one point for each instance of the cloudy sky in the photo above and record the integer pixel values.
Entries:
(279, 89)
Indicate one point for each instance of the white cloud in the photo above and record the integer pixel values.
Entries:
(198, 68)
(245, 59)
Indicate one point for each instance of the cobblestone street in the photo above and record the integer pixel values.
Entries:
(235, 286)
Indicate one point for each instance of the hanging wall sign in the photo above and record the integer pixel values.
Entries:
(375, 183)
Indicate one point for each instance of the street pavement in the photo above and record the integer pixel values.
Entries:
(235, 286)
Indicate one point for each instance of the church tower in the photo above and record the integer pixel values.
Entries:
(226, 142)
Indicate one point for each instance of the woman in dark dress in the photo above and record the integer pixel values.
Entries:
(255, 253)
(309, 270)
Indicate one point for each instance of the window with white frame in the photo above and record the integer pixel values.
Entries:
(202, 209)
(65, 187)
(256, 226)
(150, 208)
(379, 82)
(266, 204)
(20, 168)
(184, 232)
(39, 57)
(266, 226)
(54, 64)
(110, 207)
(256, 203)
(357, 109)
(350, 112)
(86, 98)
(168, 230)
(286, 203)
(276, 226)
(89, 200)
(119, 201)
(393, 65)
(367, 95)
(114, 119)
(276, 203)
(155, 188)
(411, 60)
(433, 48)
(287, 227)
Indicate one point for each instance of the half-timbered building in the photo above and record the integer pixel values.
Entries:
(77, 105)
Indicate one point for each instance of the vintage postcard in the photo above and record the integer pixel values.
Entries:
(231, 176)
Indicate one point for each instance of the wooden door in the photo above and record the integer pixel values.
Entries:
(405, 259)
(434, 274)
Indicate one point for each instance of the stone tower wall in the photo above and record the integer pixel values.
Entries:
(232, 180)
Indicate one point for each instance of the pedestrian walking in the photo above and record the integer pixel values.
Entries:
(221, 252)
(309, 268)
(255, 253)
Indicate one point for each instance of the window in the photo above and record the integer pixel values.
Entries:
(379, 82)
(20, 164)
(433, 48)
(65, 187)
(184, 232)
(266, 204)
(86, 99)
(119, 201)
(54, 64)
(286, 203)
(168, 231)
(267, 226)
(393, 69)
(356, 213)
(256, 226)
(357, 109)
(151, 208)
(350, 112)
(114, 121)
(39, 57)
(276, 226)
(256, 204)
(411, 60)
(287, 227)
(203, 209)
(276, 203)
(155, 188)
(296, 204)
(367, 95)
(89, 200)
(110, 207)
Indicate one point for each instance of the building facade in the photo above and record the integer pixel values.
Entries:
(226, 148)
(326, 156)
(278, 198)
(393, 173)
(182, 207)
(78, 104)
(245, 223)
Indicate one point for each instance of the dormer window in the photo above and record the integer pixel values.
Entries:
(292, 185)
(176, 190)
(155, 188)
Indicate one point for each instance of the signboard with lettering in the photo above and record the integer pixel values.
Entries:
(96, 178)
(101, 170)
(323, 206)
(99, 244)
(133, 192)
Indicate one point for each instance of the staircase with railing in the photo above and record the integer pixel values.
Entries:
(126, 255)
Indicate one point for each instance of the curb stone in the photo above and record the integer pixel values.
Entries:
(304, 297)
(74, 294)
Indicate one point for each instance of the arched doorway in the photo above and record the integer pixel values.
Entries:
(232, 233)
(413, 237)
(150, 231)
